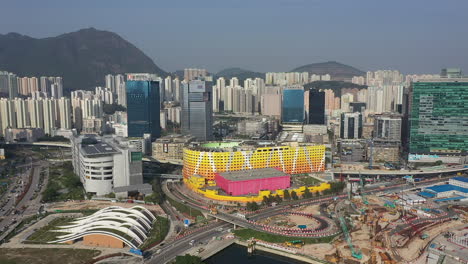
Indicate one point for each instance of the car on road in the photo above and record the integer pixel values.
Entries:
(191, 243)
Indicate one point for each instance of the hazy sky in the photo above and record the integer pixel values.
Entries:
(414, 36)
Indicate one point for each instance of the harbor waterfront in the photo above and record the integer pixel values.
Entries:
(238, 254)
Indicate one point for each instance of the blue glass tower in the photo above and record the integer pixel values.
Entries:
(293, 106)
(143, 108)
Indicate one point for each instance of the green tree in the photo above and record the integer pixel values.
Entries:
(50, 193)
(252, 206)
(158, 195)
(266, 200)
(188, 259)
(294, 195)
(110, 195)
(287, 196)
(278, 199)
(336, 187)
(307, 193)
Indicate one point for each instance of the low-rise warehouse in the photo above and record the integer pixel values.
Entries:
(459, 181)
(412, 199)
(246, 182)
(443, 191)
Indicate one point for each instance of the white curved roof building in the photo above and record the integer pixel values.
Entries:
(128, 225)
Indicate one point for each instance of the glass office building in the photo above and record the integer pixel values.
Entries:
(143, 108)
(439, 116)
(197, 109)
(293, 106)
(315, 107)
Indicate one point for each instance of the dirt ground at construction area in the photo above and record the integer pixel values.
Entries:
(388, 216)
(290, 220)
(361, 240)
(411, 251)
(302, 220)
(372, 199)
(92, 205)
(318, 250)
(311, 209)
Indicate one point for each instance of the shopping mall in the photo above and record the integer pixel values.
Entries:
(221, 170)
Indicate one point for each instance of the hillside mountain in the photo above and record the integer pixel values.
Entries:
(338, 71)
(82, 58)
(336, 86)
(241, 74)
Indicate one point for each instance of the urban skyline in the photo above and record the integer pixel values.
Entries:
(401, 37)
(108, 156)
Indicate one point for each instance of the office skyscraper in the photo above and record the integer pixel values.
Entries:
(439, 116)
(143, 105)
(351, 125)
(293, 106)
(197, 109)
(315, 107)
(387, 127)
(451, 73)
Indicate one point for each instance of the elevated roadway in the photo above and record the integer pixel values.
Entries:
(423, 172)
(42, 143)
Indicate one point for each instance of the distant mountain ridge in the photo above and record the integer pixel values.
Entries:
(82, 58)
(85, 56)
(240, 73)
(338, 71)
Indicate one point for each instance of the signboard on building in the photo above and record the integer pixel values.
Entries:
(197, 87)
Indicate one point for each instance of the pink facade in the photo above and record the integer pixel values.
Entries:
(252, 186)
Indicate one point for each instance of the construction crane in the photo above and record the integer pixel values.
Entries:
(371, 150)
(361, 182)
(355, 253)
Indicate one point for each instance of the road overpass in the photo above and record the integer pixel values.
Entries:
(165, 176)
(42, 143)
(393, 173)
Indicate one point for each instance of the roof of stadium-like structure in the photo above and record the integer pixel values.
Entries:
(130, 225)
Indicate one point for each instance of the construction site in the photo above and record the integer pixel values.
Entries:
(387, 227)
(390, 227)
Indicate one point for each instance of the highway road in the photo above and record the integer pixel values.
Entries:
(32, 205)
(422, 172)
(169, 251)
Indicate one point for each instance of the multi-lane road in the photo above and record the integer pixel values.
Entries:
(169, 251)
(26, 207)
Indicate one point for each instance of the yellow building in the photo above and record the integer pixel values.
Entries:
(213, 157)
